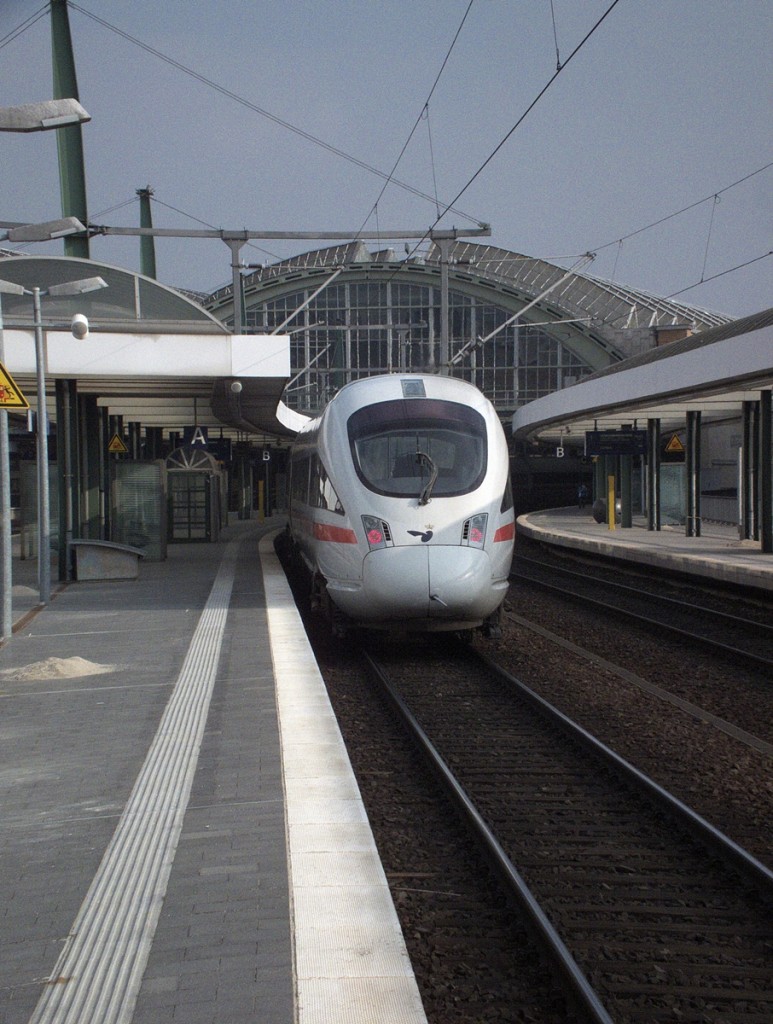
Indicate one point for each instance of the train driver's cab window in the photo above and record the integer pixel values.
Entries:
(397, 447)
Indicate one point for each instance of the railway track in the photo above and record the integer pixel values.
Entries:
(747, 639)
(656, 916)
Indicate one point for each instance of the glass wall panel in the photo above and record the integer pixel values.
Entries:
(673, 494)
(138, 507)
(370, 327)
(28, 507)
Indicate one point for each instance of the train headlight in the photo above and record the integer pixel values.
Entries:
(474, 531)
(377, 532)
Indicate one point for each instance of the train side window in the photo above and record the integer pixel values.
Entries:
(299, 478)
(322, 494)
(507, 497)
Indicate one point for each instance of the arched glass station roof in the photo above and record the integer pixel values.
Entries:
(131, 302)
(381, 314)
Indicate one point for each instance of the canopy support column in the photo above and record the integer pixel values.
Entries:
(626, 512)
(653, 474)
(749, 480)
(67, 446)
(766, 471)
(693, 470)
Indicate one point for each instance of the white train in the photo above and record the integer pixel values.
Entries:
(401, 507)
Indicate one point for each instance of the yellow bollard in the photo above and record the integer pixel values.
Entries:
(611, 502)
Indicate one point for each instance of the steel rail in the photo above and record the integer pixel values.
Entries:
(580, 989)
(674, 602)
(753, 870)
(757, 660)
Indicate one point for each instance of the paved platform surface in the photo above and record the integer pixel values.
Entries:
(182, 837)
(717, 554)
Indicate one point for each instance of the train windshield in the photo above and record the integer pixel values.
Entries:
(398, 447)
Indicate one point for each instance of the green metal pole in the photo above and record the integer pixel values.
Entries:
(147, 242)
(69, 140)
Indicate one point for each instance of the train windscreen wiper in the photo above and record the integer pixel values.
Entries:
(426, 491)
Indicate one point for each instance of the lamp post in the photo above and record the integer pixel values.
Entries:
(23, 233)
(41, 117)
(29, 117)
(87, 284)
(41, 450)
(44, 513)
(6, 563)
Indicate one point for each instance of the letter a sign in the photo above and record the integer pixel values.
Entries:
(196, 436)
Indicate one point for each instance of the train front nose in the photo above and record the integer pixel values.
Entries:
(460, 583)
(427, 582)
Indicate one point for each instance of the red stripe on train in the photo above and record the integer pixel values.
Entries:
(336, 534)
(506, 532)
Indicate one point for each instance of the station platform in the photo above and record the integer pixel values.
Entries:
(718, 554)
(183, 838)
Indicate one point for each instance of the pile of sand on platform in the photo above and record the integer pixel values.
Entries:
(56, 668)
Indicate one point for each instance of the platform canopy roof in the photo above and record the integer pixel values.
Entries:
(152, 355)
(712, 372)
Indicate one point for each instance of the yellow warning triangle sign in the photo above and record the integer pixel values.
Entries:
(11, 396)
(674, 444)
(116, 446)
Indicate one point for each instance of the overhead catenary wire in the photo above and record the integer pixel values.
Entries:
(519, 122)
(432, 162)
(560, 67)
(118, 206)
(714, 205)
(714, 196)
(722, 273)
(529, 109)
(555, 36)
(14, 34)
(418, 120)
(684, 209)
(206, 224)
(302, 133)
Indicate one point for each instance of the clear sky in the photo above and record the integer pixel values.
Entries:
(666, 104)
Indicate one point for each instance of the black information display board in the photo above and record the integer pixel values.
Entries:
(615, 442)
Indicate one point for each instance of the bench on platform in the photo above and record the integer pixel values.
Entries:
(105, 560)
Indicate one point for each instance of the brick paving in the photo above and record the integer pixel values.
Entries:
(70, 751)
